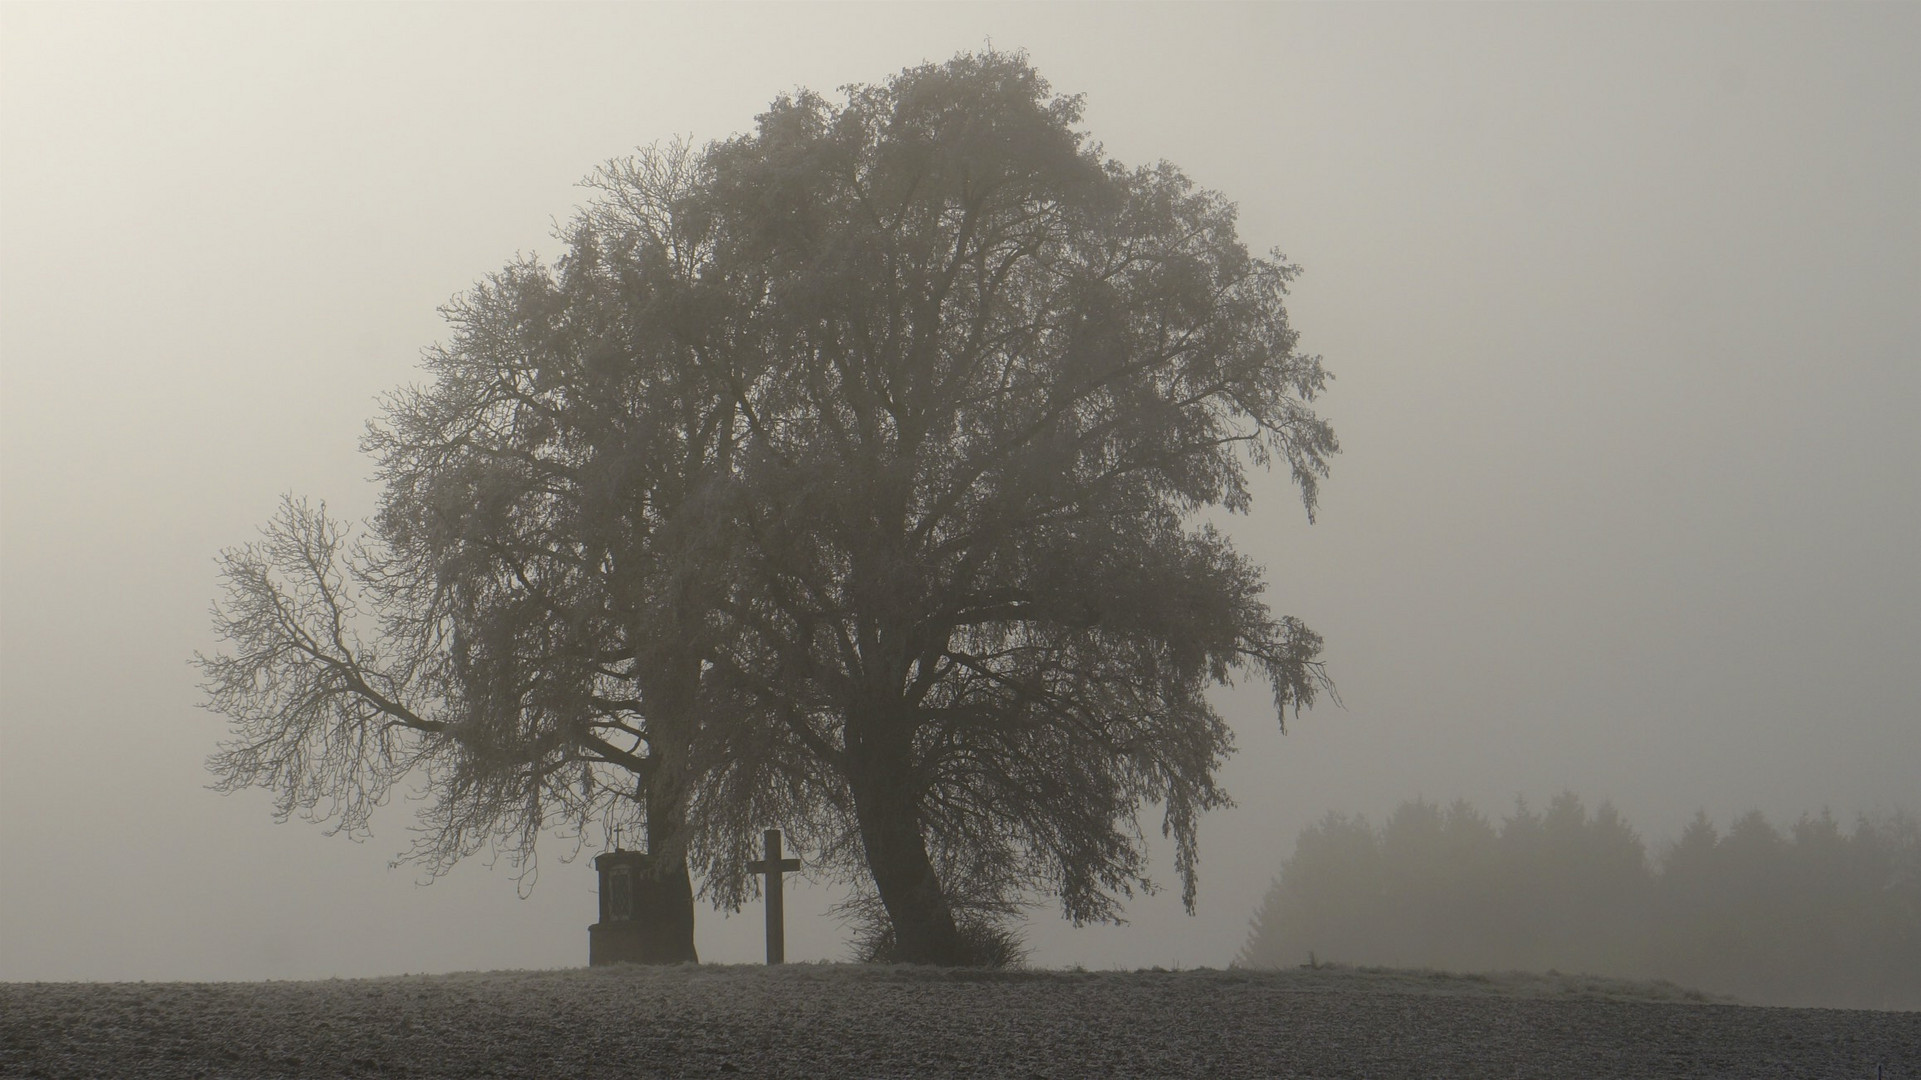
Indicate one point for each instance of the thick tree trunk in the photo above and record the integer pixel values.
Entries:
(670, 689)
(890, 829)
(669, 848)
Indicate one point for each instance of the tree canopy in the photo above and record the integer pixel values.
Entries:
(848, 476)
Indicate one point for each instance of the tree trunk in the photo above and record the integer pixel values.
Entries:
(669, 689)
(670, 850)
(890, 830)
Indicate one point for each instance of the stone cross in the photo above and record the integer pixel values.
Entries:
(774, 866)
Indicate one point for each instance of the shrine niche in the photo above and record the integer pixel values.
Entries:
(637, 913)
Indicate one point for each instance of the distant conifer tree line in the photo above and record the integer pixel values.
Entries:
(1815, 915)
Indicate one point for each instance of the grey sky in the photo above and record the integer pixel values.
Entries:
(1621, 301)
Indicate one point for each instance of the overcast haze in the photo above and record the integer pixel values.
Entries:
(1621, 302)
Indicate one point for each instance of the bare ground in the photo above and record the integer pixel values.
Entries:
(842, 1020)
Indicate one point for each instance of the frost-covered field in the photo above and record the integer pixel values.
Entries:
(838, 1020)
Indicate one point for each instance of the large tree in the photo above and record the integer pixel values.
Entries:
(1003, 378)
(850, 476)
(526, 624)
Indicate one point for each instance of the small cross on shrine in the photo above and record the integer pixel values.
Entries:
(774, 866)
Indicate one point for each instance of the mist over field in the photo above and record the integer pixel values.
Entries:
(1619, 304)
(1816, 914)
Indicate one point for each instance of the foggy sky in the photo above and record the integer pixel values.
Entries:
(1621, 304)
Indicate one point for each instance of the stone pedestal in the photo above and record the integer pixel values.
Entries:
(637, 924)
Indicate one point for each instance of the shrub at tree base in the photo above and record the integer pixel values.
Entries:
(1817, 916)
